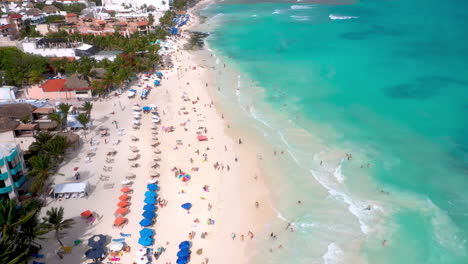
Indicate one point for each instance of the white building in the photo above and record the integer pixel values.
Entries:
(12, 171)
(50, 48)
(160, 5)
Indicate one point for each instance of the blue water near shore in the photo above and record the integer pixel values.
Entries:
(386, 81)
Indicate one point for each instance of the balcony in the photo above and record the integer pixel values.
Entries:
(13, 155)
(21, 181)
(6, 189)
(17, 168)
(3, 176)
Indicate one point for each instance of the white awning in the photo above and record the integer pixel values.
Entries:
(79, 187)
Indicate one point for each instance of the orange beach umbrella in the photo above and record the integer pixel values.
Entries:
(86, 214)
(126, 189)
(122, 204)
(119, 221)
(121, 211)
(123, 197)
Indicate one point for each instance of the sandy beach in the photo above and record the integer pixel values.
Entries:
(225, 184)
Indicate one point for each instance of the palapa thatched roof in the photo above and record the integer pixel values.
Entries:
(71, 137)
(76, 81)
(50, 9)
(151, 8)
(98, 72)
(7, 124)
(33, 11)
(16, 111)
(30, 5)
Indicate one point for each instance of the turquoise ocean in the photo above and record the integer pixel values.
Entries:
(383, 80)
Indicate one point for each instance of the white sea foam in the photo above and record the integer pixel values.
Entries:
(337, 17)
(295, 7)
(333, 255)
(217, 60)
(277, 11)
(339, 175)
(300, 18)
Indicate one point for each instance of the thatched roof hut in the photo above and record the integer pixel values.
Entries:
(71, 137)
(7, 124)
(50, 9)
(16, 111)
(76, 81)
(98, 73)
(33, 11)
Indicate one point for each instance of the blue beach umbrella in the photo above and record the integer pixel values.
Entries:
(185, 245)
(145, 241)
(159, 73)
(146, 222)
(146, 232)
(149, 207)
(152, 187)
(146, 108)
(97, 241)
(95, 253)
(149, 214)
(150, 194)
(149, 200)
(182, 261)
(186, 206)
(183, 253)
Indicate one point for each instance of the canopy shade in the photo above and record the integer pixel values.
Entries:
(152, 187)
(123, 197)
(79, 187)
(149, 214)
(202, 138)
(86, 213)
(95, 253)
(185, 244)
(122, 204)
(121, 211)
(151, 194)
(149, 207)
(146, 222)
(186, 206)
(145, 241)
(150, 200)
(146, 232)
(183, 253)
(126, 189)
(97, 241)
(119, 221)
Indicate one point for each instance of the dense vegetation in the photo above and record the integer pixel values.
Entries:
(21, 68)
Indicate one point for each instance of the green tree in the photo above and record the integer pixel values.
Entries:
(41, 169)
(64, 110)
(54, 18)
(40, 141)
(83, 119)
(150, 19)
(35, 77)
(57, 118)
(56, 148)
(88, 106)
(54, 220)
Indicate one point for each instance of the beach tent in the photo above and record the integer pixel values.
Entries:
(150, 200)
(152, 187)
(202, 138)
(149, 207)
(185, 244)
(149, 214)
(186, 206)
(97, 241)
(146, 222)
(146, 232)
(95, 253)
(79, 187)
(184, 177)
(121, 211)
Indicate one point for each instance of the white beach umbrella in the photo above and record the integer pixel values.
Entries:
(116, 246)
(136, 108)
(136, 122)
(141, 252)
(126, 182)
(136, 117)
(152, 106)
(152, 181)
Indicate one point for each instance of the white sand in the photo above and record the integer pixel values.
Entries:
(232, 193)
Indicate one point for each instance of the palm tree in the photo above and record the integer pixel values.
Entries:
(41, 139)
(12, 215)
(64, 109)
(54, 220)
(57, 118)
(88, 106)
(40, 170)
(56, 148)
(83, 119)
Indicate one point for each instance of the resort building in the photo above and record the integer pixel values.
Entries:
(12, 171)
(55, 47)
(61, 89)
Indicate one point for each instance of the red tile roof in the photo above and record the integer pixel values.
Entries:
(15, 16)
(142, 23)
(2, 27)
(54, 85)
(70, 15)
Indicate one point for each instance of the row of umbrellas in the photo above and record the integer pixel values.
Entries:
(183, 256)
(122, 206)
(146, 234)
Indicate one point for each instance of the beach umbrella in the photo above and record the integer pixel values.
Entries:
(150, 194)
(123, 197)
(185, 245)
(150, 200)
(122, 204)
(202, 138)
(95, 253)
(119, 221)
(126, 189)
(186, 206)
(97, 241)
(184, 177)
(146, 108)
(154, 174)
(182, 260)
(157, 151)
(152, 181)
(121, 211)
(149, 214)
(149, 207)
(146, 222)
(183, 253)
(152, 187)
(146, 232)
(136, 107)
(86, 214)
(116, 246)
(136, 122)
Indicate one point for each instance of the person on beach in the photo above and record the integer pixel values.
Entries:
(233, 236)
(240, 141)
(257, 204)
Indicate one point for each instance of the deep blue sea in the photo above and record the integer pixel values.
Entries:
(383, 80)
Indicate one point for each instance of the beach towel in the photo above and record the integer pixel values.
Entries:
(119, 240)
(125, 235)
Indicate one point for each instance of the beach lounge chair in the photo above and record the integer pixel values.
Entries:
(67, 249)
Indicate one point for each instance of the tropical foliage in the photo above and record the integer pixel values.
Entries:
(21, 68)
(54, 221)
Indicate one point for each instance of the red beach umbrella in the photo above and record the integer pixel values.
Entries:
(122, 204)
(86, 214)
(121, 211)
(123, 197)
(202, 138)
(119, 221)
(126, 189)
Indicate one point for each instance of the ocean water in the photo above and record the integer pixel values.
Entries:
(383, 80)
